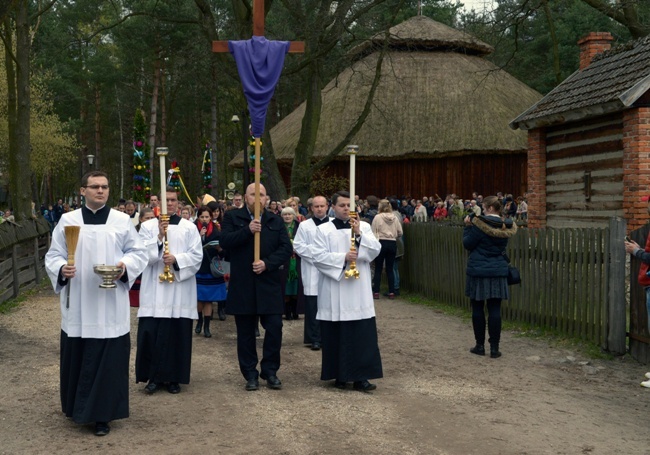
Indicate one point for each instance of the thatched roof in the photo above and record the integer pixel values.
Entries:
(428, 103)
(423, 33)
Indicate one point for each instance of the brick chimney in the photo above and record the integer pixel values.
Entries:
(593, 44)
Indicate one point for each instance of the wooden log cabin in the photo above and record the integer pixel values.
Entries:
(589, 140)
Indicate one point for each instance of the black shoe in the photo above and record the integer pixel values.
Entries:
(339, 384)
(102, 428)
(364, 386)
(174, 387)
(206, 326)
(252, 384)
(479, 349)
(296, 316)
(152, 387)
(315, 346)
(272, 382)
(494, 352)
(221, 312)
(199, 325)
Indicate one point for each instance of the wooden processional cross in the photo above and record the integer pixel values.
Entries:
(222, 47)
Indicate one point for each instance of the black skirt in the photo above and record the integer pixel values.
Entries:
(164, 350)
(94, 376)
(350, 350)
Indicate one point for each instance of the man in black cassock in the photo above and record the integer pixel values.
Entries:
(95, 323)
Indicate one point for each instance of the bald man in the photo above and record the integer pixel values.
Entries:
(255, 286)
(302, 243)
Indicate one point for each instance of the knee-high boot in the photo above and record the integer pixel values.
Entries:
(221, 310)
(206, 326)
(199, 324)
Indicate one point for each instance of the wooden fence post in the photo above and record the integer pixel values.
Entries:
(37, 265)
(14, 269)
(616, 313)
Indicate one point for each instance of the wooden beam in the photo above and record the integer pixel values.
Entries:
(295, 47)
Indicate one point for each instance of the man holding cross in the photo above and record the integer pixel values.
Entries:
(255, 287)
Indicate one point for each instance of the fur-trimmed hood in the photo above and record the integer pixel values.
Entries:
(503, 228)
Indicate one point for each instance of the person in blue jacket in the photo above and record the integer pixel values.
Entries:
(486, 237)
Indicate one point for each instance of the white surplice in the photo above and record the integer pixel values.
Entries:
(302, 244)
(341, 299)
(176, 299)
(95, 312)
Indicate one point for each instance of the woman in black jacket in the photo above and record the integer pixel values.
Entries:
(486, 237)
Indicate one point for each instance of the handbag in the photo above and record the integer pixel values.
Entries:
(217, 268)
(514, 277)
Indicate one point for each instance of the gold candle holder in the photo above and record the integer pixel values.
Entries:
(352, 270)
(167, 275)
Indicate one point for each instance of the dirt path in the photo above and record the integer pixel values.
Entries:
(436, 398)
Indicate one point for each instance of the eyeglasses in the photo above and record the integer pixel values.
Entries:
(96, 187)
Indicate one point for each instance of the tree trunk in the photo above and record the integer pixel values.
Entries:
(98, 136)
(300, 171)
(11, 96)
(274, 184)
(152, 121)
(219, 159)
(19, 154)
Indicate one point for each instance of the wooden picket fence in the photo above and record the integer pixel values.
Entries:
(22, 256)
(567, 277)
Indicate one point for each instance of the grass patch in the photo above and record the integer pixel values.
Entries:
(519, 329)
(8, 305)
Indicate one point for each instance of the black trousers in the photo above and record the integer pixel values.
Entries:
(387, 253)
(246, 344)
(312, 325)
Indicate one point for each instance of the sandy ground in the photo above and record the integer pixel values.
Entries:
(436, 398)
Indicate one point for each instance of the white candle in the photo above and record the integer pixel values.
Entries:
(352, 151)
(162, 153)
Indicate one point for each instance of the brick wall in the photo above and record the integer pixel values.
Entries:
(537, 178)
(636, 166)
(593, 44)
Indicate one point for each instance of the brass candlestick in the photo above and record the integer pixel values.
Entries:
(167, 275)
(352, 271)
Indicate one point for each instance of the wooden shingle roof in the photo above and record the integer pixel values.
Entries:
(612, 82)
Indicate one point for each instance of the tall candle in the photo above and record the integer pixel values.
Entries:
(162, 153)
(352, 151)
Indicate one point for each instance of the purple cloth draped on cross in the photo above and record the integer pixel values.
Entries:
(259, 64)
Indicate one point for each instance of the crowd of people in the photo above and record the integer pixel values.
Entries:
(435, 208)
(175, 268)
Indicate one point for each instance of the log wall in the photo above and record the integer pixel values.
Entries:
(584, 173)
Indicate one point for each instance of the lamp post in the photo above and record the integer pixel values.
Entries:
(244, 131)
(91, 160)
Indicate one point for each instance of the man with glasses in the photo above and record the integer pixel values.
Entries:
(95, 323)
(167, 310)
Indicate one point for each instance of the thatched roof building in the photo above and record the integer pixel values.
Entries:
(439, 121)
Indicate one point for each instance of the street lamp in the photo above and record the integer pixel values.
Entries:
(244, 132)
(91, 159)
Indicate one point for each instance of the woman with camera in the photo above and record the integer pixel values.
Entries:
(209, 288)
(486, 238)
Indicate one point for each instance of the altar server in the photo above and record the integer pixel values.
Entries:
(345, 306)
(95, 323)
(167, 309)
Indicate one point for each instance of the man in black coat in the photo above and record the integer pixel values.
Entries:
(255, 288)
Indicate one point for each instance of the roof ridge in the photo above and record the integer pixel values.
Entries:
(622, 48)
